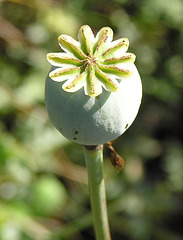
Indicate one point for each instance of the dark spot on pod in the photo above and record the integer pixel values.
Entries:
(75, 138)
(60, 129)
(126, 126)
(76, 132)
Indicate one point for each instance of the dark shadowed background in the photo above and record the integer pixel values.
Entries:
(43, 181)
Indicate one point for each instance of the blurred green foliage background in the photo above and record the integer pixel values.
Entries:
(43, 181)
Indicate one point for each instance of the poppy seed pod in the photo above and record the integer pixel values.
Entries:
(93, 91)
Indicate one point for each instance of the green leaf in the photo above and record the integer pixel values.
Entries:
(59, 59)
(115, 70)
(126, 58)
(120, 45)
(73, 85)
(110, 85)
(60, 74)
(93, 86)
(104, 37)
(86, 39)
(70, 45)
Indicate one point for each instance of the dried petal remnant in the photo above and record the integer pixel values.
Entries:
(116, 160)
(91, 62)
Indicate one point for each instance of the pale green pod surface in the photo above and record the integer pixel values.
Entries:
(93, 120)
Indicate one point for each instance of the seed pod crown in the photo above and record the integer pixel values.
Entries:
(91, 62)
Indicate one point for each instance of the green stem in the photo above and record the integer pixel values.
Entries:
(94, 164)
